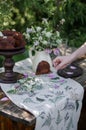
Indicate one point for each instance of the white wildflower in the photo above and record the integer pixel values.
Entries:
(27, 36)
(57, 33)
(59, 41)
(62, 21)
(36, 43)
(48, 34)
(44, 42)
(40, 38)
(38, 29)
(29, 30)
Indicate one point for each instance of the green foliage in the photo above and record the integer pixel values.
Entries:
(30, 12)
(20, 14)
(74, 27)
(1, 61)
(21, 56)
(6, 14)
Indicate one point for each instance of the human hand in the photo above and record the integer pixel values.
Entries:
(61, 62)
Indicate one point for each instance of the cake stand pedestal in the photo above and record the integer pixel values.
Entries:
(9, 76)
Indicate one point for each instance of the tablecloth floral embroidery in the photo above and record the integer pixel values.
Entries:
(56, 102)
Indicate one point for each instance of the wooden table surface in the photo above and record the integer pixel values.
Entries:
(82, 79)
(10, 111)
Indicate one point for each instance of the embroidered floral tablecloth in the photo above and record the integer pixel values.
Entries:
(55, 101)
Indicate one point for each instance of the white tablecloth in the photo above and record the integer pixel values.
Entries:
(55, 101)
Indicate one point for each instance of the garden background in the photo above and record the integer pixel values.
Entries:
(66, 16)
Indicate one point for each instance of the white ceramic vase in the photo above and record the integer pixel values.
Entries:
(38, 57)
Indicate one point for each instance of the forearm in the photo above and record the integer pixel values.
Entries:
(61, 62)
(79, 52)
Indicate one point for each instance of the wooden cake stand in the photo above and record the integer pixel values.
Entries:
(8, 76)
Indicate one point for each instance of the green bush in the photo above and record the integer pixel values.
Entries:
(20, 14)
(30, 12)
(6, 20)
(74, 27)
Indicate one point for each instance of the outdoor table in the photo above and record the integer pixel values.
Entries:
(13, 117)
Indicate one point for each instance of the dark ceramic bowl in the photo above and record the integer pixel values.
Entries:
(71, 71)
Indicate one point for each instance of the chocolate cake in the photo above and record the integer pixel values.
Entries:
(11, 40)
(43, 68)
